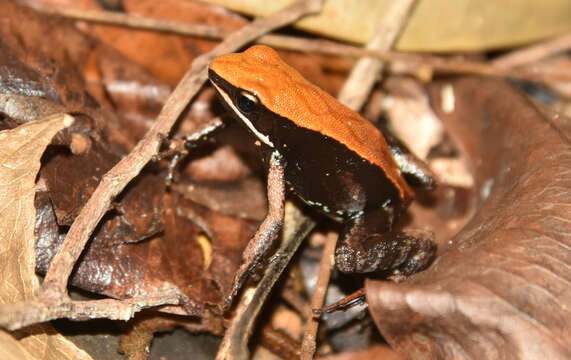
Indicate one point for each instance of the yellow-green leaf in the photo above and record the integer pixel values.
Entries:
(435, 25)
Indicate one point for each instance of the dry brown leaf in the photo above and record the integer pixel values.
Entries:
(20, 153)
(500, 288)
(12, 348)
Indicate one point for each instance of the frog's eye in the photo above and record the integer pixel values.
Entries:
(246, 102)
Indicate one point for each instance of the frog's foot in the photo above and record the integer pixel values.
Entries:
(177, 149)
(406, 252)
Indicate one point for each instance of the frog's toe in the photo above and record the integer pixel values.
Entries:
(421, 251)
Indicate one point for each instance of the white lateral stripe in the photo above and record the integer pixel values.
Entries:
(246, 121)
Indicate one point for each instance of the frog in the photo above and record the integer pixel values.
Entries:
(332, 159)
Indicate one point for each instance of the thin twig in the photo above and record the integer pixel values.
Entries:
(296, 301)
(235, 343)
(364, 75)
(19, 315)
(130, 20)
(534, 53)
(347, 302)
(308, 344)
(279, 343)
(417, 62)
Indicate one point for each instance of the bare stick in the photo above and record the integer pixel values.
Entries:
(129, 20)
(19, 315)
(350, 300)
(534, 53)
(308, 344)
(367, 71)
(235, 343)
(416, 61)
(296, 301)
(53, 289)
(279, 343)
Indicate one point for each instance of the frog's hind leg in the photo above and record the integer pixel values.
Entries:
(368, 244)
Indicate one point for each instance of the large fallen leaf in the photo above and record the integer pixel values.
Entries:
(20, 153)
(435, 25)
(501, 290)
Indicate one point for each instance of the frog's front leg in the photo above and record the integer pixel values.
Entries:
(415, 171)
(257, 248)
(368, 244)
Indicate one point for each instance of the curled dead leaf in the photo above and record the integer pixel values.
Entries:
(500, 290)
(20, 151)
